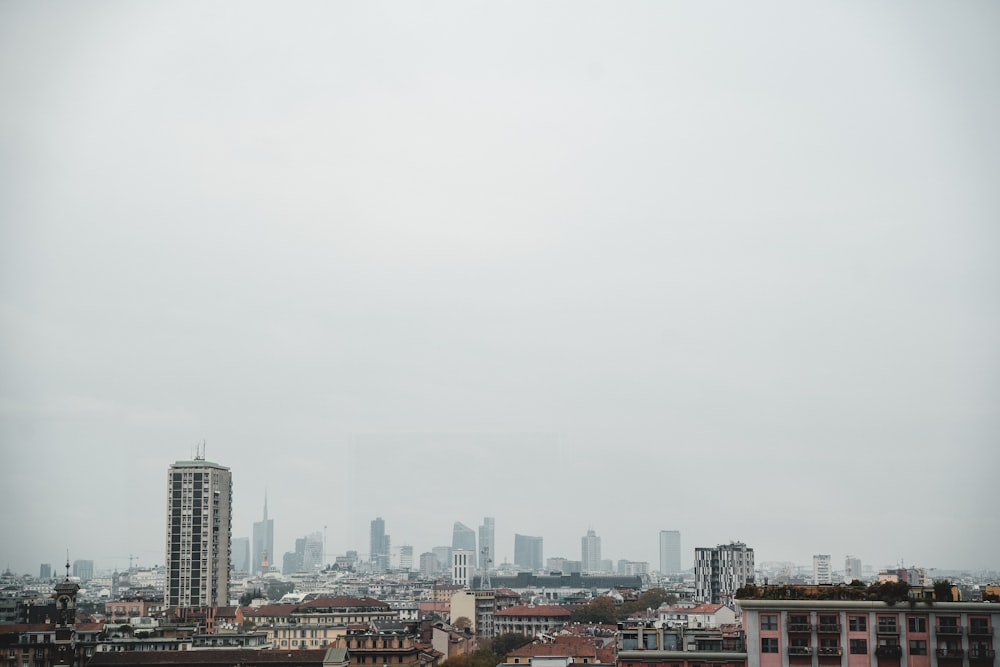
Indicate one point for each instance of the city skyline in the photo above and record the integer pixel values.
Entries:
(441, 263)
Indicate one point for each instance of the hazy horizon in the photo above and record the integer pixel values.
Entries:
(728, 269)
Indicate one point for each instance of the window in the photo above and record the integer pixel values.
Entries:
(979, 626)
(917, 624)
(769, 645)
(887, 624)
(858, 623)
(859, 646)
(768, 622)
(918, 646)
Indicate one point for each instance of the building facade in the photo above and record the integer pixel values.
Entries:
(464, 538)
(199, 526)
(822, 569)
(590, 552)
(528, 552)
(817, 633)
(719, 572)
(670, 551)
(463, 567)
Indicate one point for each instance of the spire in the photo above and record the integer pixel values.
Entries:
(265, 504)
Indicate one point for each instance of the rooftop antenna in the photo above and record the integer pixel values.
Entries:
(67, 564)
(484, 579)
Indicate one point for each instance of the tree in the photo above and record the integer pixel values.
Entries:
(600, 610)
(507, 642)
(654, 598)
(462, 623)
(276, 589)
(249, 597)
(942, 591)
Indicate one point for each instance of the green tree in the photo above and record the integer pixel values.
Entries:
(651, 599)
(600, 610)
(507, 642)
(942, 591)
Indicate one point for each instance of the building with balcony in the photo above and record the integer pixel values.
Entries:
(868, 633)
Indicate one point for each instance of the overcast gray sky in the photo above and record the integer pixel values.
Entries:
(727, 268)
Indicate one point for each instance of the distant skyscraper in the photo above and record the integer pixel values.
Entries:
(312, 552)
(719, 572)
(263, 542)
(464, 538)
(852, 569)
(199, 510)
(405, 557)
(83, 569)
(487, 541)
(822, 569)
(590, 552)
(379, 547)
(670, 551)
(241, 554)
(429, 564)
(45, 571)
(528, 552)
(443, 555)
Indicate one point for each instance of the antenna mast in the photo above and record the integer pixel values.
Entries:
(484, 579)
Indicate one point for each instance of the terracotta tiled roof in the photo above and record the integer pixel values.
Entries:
(214, 657)
(538, 610)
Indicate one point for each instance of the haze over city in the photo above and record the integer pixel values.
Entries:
(727, 269)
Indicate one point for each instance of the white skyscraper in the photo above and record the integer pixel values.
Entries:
(199, 507)
(590, 552)
(670, 551)
(852, 568)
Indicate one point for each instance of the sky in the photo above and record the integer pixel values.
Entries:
(723, 268)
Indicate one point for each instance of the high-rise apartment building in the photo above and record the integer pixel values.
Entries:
(670, 551)
(822, 569)
(199, 510)
(528, 552)
(464, 538)
(720, 572)
(379, 546)
(590, 552)
(45, 571)
(487, 542)
(263, 542)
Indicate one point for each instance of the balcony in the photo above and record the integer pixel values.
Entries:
(950, 630)
(830, 651)
(889, 651)
(982, 654)
(800, 650)
(886, 629)
(800, 627)
(980, 630)
(950, 653)
(829, 627)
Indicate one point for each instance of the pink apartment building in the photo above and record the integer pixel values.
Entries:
(829, 633)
